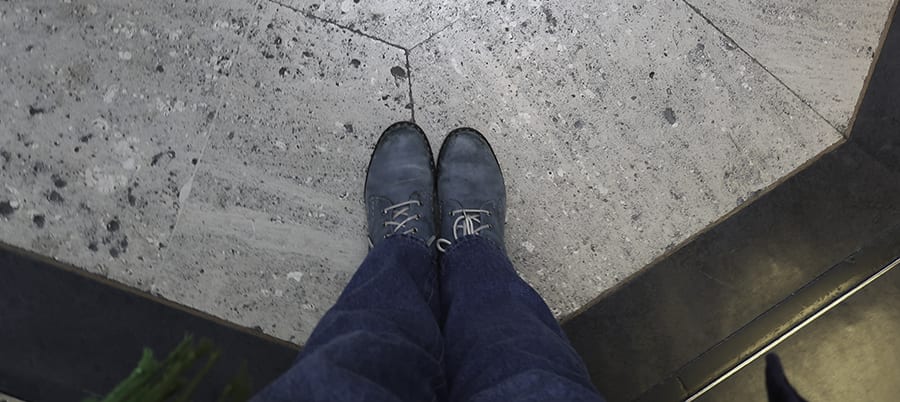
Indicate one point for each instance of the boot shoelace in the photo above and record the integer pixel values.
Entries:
(400, 217)
(468, 223)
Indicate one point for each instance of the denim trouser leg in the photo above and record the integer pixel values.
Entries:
(502, 342)
(381, 341)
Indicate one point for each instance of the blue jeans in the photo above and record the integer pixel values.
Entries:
(404, 331)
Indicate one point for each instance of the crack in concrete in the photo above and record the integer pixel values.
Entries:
(353, 30)
(842, 133)
(412, 103)
(182, 202)
(438, 32)
(310, 15)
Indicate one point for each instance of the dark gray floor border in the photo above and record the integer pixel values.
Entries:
(807, 320)
(782, 319)
(66, 335)
(7, 249)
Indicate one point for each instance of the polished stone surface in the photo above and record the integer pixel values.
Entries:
(168, 155)
(274, 226)
(612, 156)
(213, 152)
(800, 42)
(402, 23)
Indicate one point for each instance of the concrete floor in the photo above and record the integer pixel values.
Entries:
(213, 152)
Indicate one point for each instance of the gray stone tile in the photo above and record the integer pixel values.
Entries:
(275, 224)
(623, 129)
(115, 114)
(104, 106)
(820, 49)
(245, 266)
(214, 152)
(404, 23)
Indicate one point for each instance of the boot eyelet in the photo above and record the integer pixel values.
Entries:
(415, 230)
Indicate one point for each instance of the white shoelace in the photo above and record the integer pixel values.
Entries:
(467, 223)
(401, 217)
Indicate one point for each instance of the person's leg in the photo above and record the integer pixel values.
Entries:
(381, 341)
(502, 342)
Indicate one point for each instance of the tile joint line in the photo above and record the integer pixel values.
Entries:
(372, 37)
(412, 104)
(766, 69)
(331, 22)
(438, 32)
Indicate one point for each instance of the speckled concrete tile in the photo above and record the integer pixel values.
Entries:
(404, 23)
(248, 265)
(275, 225)
(104, 105)
(111, 109)
(214, 152)
(623, 127)
(820, 49)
